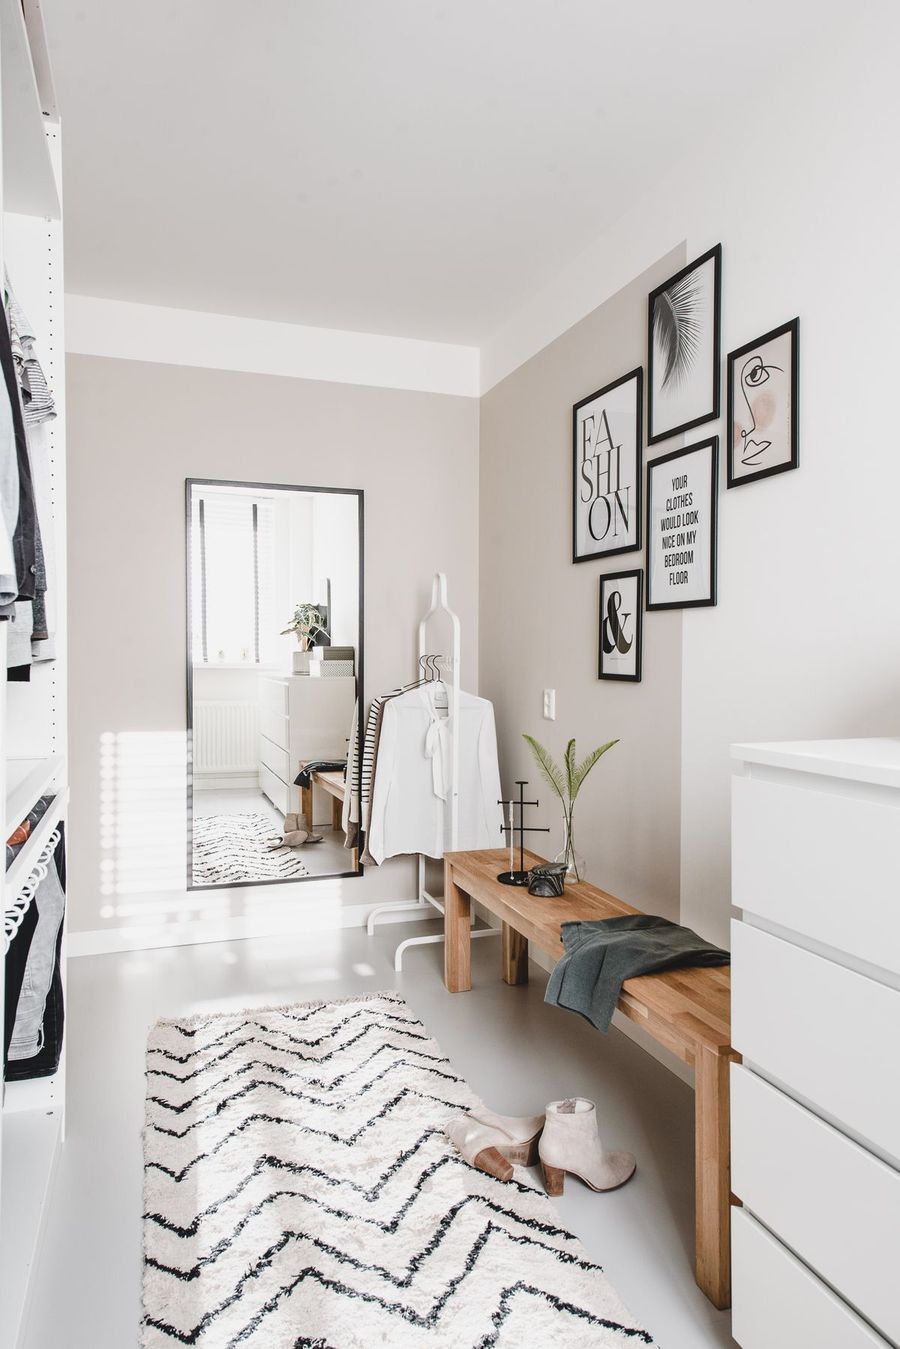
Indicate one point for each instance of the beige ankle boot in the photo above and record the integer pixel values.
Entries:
(495, 1143)
(571, 1142)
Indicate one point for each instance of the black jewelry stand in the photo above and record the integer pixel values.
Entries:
(521, 876)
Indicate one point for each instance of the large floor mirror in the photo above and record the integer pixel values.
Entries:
(274, 670)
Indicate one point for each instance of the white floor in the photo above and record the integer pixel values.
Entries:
(515, 1051)
(328, 858)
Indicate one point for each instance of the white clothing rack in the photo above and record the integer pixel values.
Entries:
(426, 900)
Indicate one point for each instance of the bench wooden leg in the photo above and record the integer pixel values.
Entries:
(713, 1176)
(514, 955)
(306, 805)
(337, 812)
(457, 935)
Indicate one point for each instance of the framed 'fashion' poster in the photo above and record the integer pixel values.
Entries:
(681, 527)
(683, 348)
(764, 405)
(607, 469)
(621, 617)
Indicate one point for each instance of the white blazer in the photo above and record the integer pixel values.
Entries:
(411, 792)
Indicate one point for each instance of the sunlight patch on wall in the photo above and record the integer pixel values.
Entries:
(143, 812)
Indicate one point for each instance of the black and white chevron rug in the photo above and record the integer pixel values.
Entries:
(300, 1191)
(239, 848)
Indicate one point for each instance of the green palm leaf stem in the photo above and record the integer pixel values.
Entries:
(567, 783)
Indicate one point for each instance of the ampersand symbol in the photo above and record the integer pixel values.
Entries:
(613, 634)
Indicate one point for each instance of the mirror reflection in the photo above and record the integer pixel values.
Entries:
(274, 660)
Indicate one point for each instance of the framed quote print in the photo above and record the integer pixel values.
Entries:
(607, 469)
(681, 527)
(763, 405)
(683, 348)
(621, 613)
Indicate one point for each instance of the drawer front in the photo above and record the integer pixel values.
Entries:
(779, 1304)
(274, 694)
(274, 727)
(274, 788)
(826, 1032)
(823, 1195)
(274, 757)
(321, 717)
(823, 863)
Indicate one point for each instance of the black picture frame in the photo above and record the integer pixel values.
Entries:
(715, 255)
(636, 375)
(608, 580)
(189, 485)
(712, 445)
(792, 329)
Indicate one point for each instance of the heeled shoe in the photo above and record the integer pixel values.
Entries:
(294, 838)
(495, 1143)
(571, 1142)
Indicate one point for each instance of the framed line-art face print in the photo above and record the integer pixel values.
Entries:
(681, 527)
(607, 469)
(763, 405)
(621, 617)
(683, 348)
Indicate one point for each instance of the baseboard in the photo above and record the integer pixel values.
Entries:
(237, 927)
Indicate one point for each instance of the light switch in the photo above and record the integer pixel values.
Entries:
(550, 704)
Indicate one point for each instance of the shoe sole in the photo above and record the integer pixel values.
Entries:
(555, 1179)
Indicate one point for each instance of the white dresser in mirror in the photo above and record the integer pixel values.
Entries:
(300, 719)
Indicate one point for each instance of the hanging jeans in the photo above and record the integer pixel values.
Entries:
(16, 960)
(38, 1031)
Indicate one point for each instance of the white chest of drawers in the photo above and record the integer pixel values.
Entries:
(300, 718)
(816, 1017)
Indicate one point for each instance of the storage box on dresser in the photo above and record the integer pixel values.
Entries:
(300, 719)
(815, 1125)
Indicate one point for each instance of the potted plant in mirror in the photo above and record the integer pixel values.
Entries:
(567, 783)
(306, 623)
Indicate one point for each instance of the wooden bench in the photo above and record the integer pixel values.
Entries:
(686, 1010)
(333, 783)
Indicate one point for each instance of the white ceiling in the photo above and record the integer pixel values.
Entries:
(409, 167)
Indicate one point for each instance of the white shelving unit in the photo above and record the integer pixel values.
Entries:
(33, 737)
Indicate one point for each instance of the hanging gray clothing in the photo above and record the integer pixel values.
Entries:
(603, 953)
(50, 900)
(43, 644)
(18, 640)
(26, 523)
(9, 503)
(37, 400)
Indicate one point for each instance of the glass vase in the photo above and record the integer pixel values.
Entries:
(574, 862)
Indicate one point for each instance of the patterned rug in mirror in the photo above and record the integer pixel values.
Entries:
(229, 848)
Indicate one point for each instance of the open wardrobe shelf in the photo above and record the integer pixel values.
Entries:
(33, 729)
(29, 182)
(24, 864)
(27, 780)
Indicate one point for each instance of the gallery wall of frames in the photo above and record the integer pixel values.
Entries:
(619, 505)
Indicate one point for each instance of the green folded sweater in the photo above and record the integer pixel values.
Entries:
(602, 954)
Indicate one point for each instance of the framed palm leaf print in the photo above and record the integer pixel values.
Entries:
(683, 348)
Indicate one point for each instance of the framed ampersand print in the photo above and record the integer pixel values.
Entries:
(621, 630)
